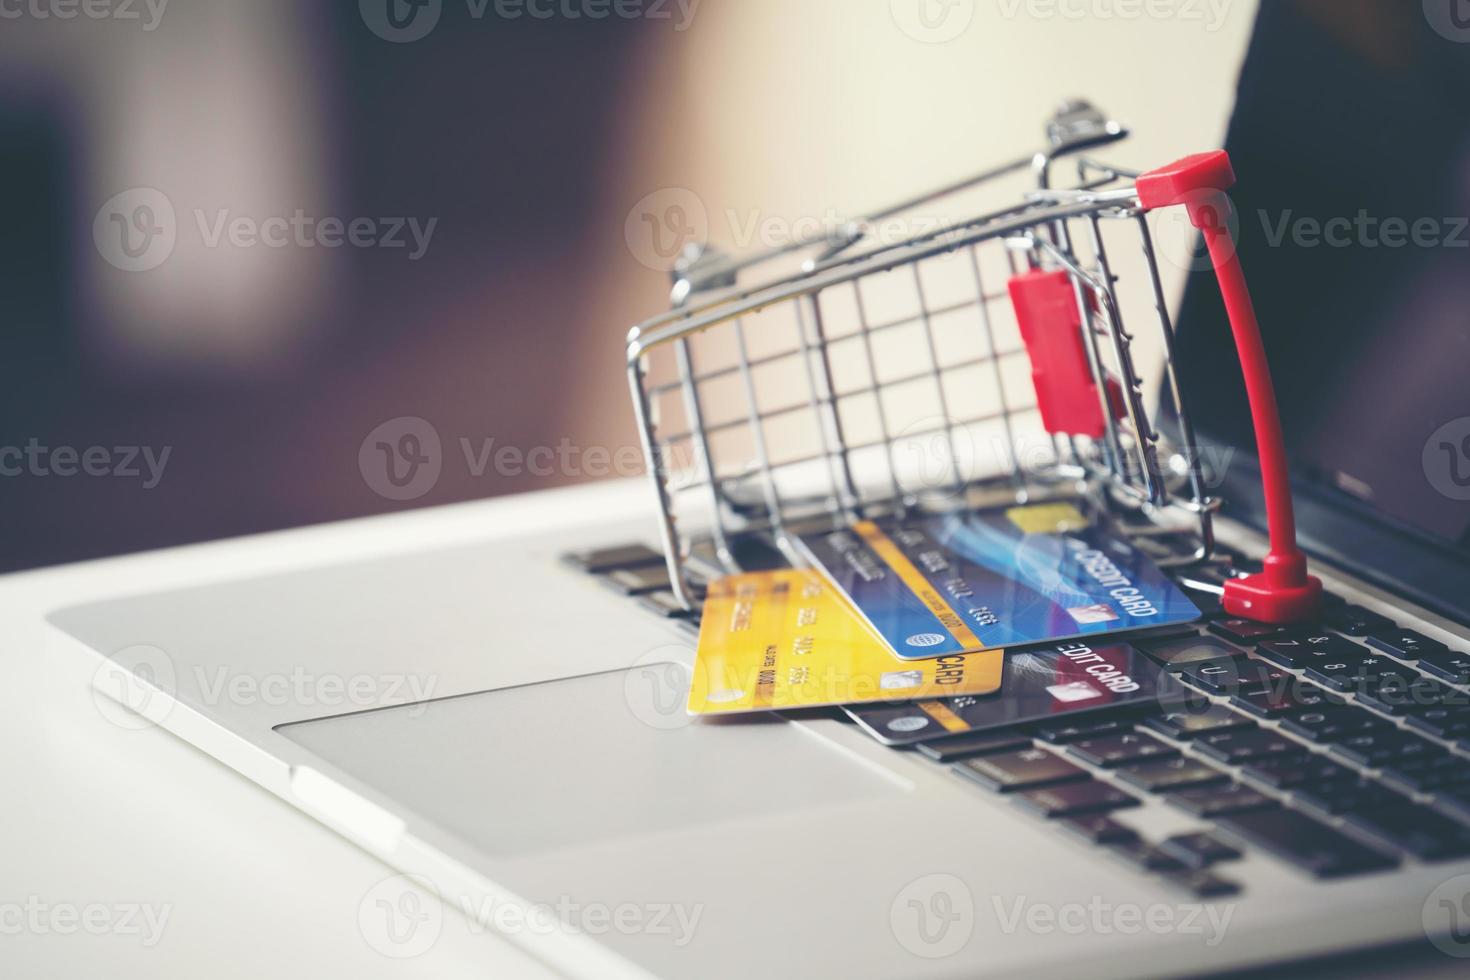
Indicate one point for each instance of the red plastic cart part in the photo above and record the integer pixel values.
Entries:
(1051, 328)
(1283, 592)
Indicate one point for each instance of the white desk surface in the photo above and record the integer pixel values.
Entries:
(97, 815)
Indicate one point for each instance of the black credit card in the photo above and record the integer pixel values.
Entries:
(1065, 679)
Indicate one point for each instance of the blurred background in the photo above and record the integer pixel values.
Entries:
(242, 238)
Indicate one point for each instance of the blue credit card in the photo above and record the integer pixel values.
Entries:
(932, 585)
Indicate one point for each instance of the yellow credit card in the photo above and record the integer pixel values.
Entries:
(1048, 518)
(788, 639)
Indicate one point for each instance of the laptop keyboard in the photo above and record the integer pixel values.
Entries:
(1340, 748)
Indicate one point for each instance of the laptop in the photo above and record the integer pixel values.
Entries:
(503, 723)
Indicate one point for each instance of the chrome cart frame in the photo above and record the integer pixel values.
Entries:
(746, 392)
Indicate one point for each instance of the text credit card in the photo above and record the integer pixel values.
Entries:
(954, 583)
(787, 639)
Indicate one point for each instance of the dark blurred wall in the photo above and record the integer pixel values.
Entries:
(248, 386)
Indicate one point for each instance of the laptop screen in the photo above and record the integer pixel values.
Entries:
(1351, 140)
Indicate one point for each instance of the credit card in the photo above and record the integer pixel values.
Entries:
(1069, 679)
(954, 583)
(788, 639)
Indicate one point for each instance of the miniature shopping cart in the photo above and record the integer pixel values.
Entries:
(978, 344)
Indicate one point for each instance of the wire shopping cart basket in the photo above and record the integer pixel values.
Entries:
(905, 361)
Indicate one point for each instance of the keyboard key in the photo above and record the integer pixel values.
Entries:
(1358, 674)
(1347, 797)
(1171, 545)
(1331, 724)
(1202, 884)
(1199, 850)
(1430, 782)
(666, 604)
(637, 581)
(1453, 801)
(1229, 677)
(1378, 748)
(606, 559)
(1294, 697)
(1257, 676)
(1248, 632)
(1449, 665)
(1416, 830)
(1213, 676)
(1436, 758)
(1098, 829)
(1008, 772)
(1170, 775)
(1293, 772)
(1159, 634)
(1073, 799)
(1446, 723)
(1427, 773)
(1394, 696)
(960, 747)
(1235, 748)
(1356, 621)
(1185, 725)
(1176, 697)
(1182, 651)
(1145, 857)
(1437, 694)
(1402, 643)
(1061, 733)
(1303, 651)
(1120, 750)
(1306, 843)
(1209, 802)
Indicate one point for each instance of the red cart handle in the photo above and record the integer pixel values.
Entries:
(1283, 592)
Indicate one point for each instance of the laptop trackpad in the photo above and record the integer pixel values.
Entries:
(585, 759)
